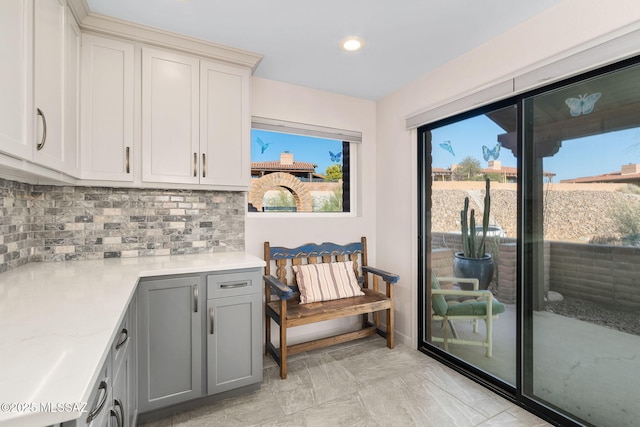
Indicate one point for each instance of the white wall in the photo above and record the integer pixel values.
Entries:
(276, 100)
(569, 27)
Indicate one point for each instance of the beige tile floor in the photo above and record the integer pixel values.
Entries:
(362, 383)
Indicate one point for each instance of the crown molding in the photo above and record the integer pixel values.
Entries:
(79, 8)
(107, 25)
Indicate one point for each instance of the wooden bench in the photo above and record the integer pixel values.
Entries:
(283, 300)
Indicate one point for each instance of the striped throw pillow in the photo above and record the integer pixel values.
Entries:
(327, 281)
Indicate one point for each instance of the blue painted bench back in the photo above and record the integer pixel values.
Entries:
(314, 253)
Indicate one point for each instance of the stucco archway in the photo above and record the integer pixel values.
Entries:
(300, 193)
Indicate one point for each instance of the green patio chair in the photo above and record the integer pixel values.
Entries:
(471, 305)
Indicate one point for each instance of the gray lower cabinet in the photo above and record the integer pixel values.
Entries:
(124, 408)
(118, 411)
(196, 340)
(113, 400)
(170, 319)
(234, 346)
(99, 401)
(234, 330)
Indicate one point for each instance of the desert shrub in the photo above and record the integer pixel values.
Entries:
(626, 216)
(631, 189)
(605, 240)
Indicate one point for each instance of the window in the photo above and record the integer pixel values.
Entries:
(300, 168)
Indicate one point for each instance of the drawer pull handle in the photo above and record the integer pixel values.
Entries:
(195, 298)
(94, 413)
(234, 285)
(114, 413)
(124, 336)
(211, 320)
(40, 145)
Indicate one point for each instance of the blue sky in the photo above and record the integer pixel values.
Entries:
(304, 148)
(576, 158)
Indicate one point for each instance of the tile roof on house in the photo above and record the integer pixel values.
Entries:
(607, 177)
(629, 173)
(495, 167)
(277, 165)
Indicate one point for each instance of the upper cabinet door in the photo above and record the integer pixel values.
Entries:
(71, 125)
(170, 98)
(224, 125)
(107, 109)
(49, 82)
(15, 77)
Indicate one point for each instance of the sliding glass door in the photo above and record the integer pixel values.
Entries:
(562, 227)
(465, 154)
(582, 306)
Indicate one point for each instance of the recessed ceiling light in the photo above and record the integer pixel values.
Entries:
(352, 44)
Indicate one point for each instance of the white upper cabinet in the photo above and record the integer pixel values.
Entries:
(107, 109)
(170, 133)
(224, 125)
(15, 77)
(150, 116)
(195, 121)
(49, 82)
(71, 126)
(56, 58)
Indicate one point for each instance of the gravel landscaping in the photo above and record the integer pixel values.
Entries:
(573, 216)
(588, 311)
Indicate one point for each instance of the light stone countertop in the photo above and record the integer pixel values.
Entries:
(58, 320)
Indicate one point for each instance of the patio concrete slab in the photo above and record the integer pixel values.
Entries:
(579, 367)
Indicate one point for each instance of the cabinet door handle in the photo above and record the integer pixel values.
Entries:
(118, 404)
(124, 336)
(94, 413)
(40, 146)
(195, 165)
(115, 413)
(204, 165)
(231, 285)
(195, 298)
(211, 320)
(126, 160)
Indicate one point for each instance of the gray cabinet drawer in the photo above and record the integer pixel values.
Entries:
(99, 400)
(238, 282)
(121, 343)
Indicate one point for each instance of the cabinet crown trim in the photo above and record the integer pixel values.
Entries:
(153, 36)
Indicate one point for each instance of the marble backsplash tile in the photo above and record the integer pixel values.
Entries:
(51, 223)
(16, 239)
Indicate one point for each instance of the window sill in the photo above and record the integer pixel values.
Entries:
(289, 215)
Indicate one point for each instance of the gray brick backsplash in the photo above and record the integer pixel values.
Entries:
(50, 223)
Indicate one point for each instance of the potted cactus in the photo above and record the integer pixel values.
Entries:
(473, 261)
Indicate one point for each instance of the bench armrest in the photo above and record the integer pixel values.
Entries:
(388, 277)
(283, 291)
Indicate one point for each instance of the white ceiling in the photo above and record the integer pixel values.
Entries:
(300, 39)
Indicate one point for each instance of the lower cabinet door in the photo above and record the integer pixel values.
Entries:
(170, 318)
(119, 412)
(234, 346)
(99, 401)
(131, 406)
